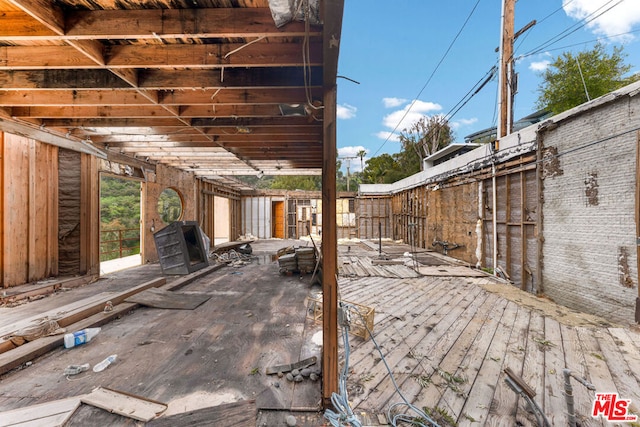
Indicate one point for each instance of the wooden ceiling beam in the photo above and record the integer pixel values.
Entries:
(188, 111)
(160, 56)
(45, 13)
(245, 78)
(148, 122)
(229, 140)
(149, 24)
(129, 96)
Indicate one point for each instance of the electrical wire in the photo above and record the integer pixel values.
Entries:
(570, 30)
(344, 415)
(467, 97)
(582, 43)
(446, 53)
(420, 419)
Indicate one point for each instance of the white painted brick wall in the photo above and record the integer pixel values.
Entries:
(582, 241)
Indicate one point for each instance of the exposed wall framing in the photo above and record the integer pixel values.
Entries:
(374, 217)
(209, 210)
(516, 220)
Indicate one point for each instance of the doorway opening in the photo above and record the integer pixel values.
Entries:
(120, 207)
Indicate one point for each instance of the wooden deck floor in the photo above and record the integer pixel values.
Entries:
(448, 339)
(447, 336)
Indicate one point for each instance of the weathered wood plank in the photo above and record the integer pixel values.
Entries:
(482, 394)
(448, 352)
(236, 414)
(418, 338)
(629, 351)
(453, 398)
(53, 414)
(553, 394)
(533, 369)
(505, 401)
(623, 376)
(124, 404)
(574, 360)
(599, 373)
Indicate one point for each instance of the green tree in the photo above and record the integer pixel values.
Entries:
(382, 169)
(421, 139)
(563, 86)
(294, 182)
(361, 154)
(119, 210)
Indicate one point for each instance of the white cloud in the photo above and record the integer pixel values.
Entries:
(411, 113)
(386, 135)
(393, 102)
(538, 66)
(619, 19)
(463, 122)
(346, 111)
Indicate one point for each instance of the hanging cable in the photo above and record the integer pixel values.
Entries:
(478, 87)
(570, 30)
(394, 416)
(344, 414)
(446, 53)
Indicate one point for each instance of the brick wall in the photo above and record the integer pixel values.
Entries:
(589, 226)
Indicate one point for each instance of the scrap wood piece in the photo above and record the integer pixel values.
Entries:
(54, 414)
(160, 298)
(125, 404)
(242, 413)
(96, 306)
(29, 351)
(288, 368)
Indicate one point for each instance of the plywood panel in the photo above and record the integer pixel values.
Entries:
(29, 243)
(43, 212)
(16, 213)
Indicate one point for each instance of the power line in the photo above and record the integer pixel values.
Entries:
(430, 77)
(467, 97)
(573, 28)
(582, 43)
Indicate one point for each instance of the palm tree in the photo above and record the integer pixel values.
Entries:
(361, 154)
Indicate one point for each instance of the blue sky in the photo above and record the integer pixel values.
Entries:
(397, 51)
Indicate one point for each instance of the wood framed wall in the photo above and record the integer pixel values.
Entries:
(29, 206)
(374, 217)
(516, 221)
(459, 211)
(207, 209)
(410, 216)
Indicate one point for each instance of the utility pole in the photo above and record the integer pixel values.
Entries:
(505, 76)
(348, 159)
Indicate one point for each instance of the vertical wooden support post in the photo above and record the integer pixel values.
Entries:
(89, 215)
(332, 11)
(329, 252)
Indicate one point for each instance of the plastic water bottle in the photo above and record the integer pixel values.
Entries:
(106, 362)
(80, 337)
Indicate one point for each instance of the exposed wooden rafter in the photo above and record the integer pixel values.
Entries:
(165, 80)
